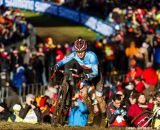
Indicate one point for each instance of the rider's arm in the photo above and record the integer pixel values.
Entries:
(94, 67)
(66, 59)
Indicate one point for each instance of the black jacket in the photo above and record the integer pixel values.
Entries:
(23, 112)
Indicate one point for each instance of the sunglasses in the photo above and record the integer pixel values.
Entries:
(80, 51)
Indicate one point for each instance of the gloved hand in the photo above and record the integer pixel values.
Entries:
(53, 68)
(117, 112)
(84, 76)
(123, 112)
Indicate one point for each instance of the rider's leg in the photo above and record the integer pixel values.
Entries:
(101, 103)
(88, 102)
(99, 96)
(90, 91)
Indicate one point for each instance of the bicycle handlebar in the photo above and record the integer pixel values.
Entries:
(67, 73)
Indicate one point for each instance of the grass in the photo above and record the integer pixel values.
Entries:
(27, 126)
(62, 30)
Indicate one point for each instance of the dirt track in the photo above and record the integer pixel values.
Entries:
(25, 126)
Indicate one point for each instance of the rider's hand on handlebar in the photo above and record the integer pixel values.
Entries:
(84, 76)
(54, 68)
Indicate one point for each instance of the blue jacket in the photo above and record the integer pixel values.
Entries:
(157, 56)
(78, 115)
(90, 61)
(18, 78)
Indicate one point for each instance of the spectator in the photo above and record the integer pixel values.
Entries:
(4, 112)
(138, 108)
(116, 114)
(134, 72)
(79, 113)
(30, 113)
(37, 65)
(43, 102)
(19, 78)
(157, 110)
(132, 50)
(15, 117)
(59, 53)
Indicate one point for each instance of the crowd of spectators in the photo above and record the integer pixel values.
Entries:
(102, 8)
(13, 26)
(137, 36)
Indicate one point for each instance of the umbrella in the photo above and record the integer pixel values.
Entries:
(150, 76)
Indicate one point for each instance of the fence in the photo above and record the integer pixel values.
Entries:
(35, 89)
(49, 8)
(38, 89)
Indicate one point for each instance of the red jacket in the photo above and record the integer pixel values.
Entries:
(140, 87)
(135, 110)
(59, 55)
(134, 74)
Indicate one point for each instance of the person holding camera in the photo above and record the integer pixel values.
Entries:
(136, 110)
(30, 112)
(78, 115)
(117, 115)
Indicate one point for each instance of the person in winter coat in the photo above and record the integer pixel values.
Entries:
(157, 57)
(137, 108)
(156, 111)
(19, 78)
(134, 72)
(117, 115)
(30, 112)
(79, 113)
(4, 112)
(15, 116)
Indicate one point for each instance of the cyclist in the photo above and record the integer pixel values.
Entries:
(88, 63)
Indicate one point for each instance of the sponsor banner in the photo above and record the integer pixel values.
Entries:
(46, 8)
(104, 28)
(23, 4)
(96, 25)
(69, 14)
(88, 21)
(1, 2)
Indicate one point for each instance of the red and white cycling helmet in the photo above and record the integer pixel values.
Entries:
(80, 45)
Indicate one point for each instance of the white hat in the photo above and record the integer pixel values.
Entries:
(17, 107)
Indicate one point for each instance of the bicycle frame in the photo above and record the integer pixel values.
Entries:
(65, 94)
